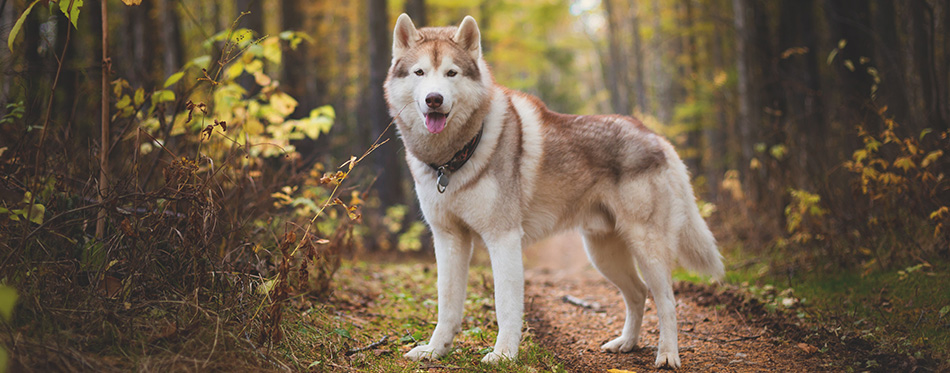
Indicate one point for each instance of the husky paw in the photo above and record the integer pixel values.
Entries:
(670, 359)
(620, 345)
(497, 357)
(425, 352)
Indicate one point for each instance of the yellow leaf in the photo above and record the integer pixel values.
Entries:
(720, 79)
(283, 103)
(262, 79)
(36, 213)
(794, 51)
(911, 146)
(939, 213)
(849, 65)
(139, 97)
(8, 297)
(235, 70)
(755, 164)
(255, 66)
(132, 2)
(859, 155)
(904, 163)
(253, 127)
(931, 157)
(619, 371)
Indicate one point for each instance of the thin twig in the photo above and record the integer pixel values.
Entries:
(720, 340)
(594, 306)
(104, 123)
(380, 342)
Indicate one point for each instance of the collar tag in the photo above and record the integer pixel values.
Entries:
(443, 180)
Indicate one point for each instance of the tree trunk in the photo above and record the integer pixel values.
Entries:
(254, 19)
(891, 61)
(388, 164)
(172, 50)
(638, 83)
(137, 61)
(922, 42)
(743, 84)
(850, 21)
(661, 76)
(485, 12)
(299, 78)
(715, 135)
(616, 71)
(416, 9)
(802, 110)
(251, 13)
(946, 62)
(691, 90)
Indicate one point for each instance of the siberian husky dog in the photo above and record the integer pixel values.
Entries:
(495, 168)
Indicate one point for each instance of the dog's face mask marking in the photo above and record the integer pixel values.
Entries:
(432, 68)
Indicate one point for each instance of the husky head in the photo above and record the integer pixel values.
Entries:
(438, 83)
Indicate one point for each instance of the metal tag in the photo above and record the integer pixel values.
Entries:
(443, 181)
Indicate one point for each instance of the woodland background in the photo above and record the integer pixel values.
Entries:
(816, 133)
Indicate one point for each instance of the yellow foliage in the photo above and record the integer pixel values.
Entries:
(931, 158)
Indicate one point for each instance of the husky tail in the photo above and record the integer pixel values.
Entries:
(696, 249)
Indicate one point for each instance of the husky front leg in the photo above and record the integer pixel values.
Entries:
(507, 268)
(452, 254)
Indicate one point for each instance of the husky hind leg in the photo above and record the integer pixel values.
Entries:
(652, 250)
(613, 258)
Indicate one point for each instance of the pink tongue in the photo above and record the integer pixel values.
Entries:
(435, 122)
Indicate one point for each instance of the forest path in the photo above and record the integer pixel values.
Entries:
(712, 337)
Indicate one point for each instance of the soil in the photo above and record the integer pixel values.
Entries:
(719, 329)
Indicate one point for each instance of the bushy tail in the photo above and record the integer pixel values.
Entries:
(696, 249)
(697, 246)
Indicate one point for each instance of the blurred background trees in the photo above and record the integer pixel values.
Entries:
(765, 100)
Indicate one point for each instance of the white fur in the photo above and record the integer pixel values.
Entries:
(532, 143)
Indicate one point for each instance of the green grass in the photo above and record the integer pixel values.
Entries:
(905, 311)
(398, 301)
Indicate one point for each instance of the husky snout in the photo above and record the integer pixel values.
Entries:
(435, 118)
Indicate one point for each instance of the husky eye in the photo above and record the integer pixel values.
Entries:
(420, 72)
(451, 73)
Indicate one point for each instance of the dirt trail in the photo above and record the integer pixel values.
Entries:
(711, 338)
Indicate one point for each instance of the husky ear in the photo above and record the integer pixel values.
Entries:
(468, 37)
(405, 35)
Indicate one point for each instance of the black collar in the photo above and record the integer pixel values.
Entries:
(458, 160)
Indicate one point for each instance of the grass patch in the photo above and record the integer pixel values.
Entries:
(397, 303)
(904, 311)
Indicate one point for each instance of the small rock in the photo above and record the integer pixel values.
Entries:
(789, 302)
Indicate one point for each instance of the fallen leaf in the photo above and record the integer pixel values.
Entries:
(809, 349)
(110, 286)
(167, 331)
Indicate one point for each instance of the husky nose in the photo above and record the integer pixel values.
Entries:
(433, 100)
